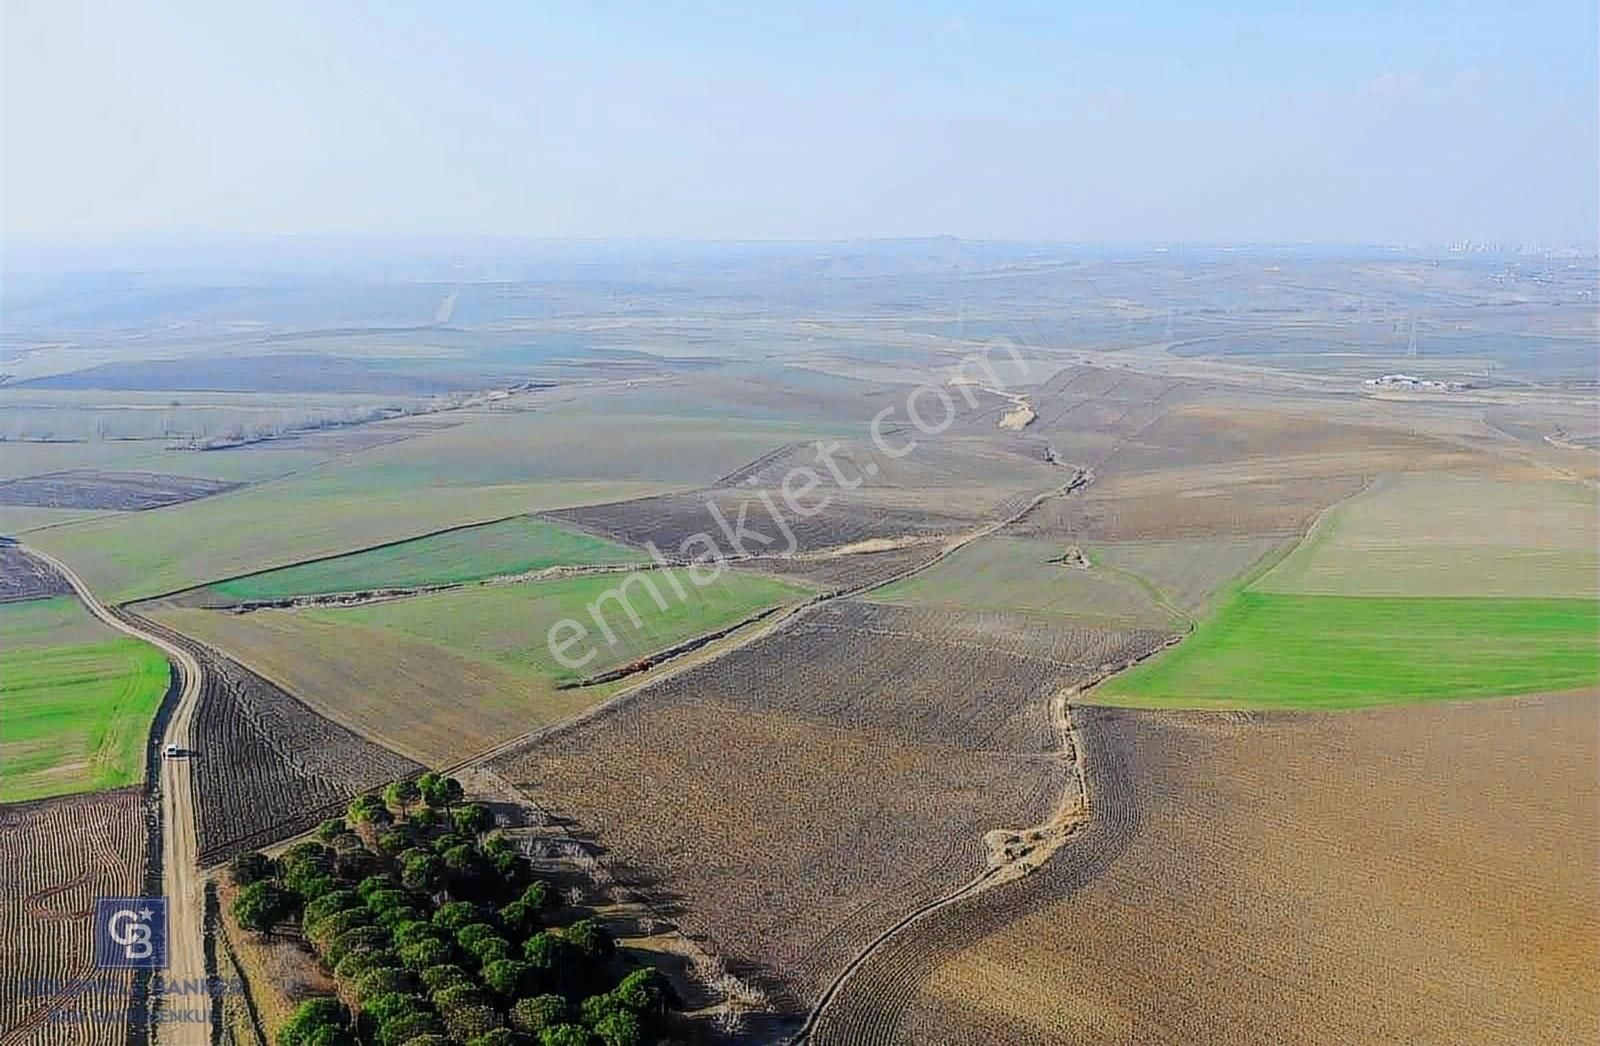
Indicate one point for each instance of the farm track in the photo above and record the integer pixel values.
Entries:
(1094, 820)
(287, 765)
(181, 881)
(1080, 479)
(867, 1002)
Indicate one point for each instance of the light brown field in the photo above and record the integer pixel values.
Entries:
(432, 705)
(58, 856)
(1207, 471)
(1188, 573)
(1194, 504)
(792, 798)
(1419, 874)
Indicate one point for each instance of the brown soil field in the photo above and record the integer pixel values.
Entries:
(1207, 434)
(59, 855)
(1188, 505)
(967, 480)
(791, 799)
(1087, 412)
(848, 573)
(431, 705)
(1415, 874)
(669, 520)
(24, 577)
(966, 476)
(123, 491)
(264, 765)
(1214, 469)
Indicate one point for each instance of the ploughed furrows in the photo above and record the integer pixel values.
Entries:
(24, 577)
(795, 797)
(59, 856)
(266, 766)
(1404, 874)
(121, 491)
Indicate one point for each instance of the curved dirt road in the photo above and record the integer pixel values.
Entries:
(186, 957)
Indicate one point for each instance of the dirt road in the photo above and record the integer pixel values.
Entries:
(186, 957)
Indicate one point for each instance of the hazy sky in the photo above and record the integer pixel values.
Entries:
(1347, 122)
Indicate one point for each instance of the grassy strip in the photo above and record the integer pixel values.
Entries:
(512, 546)
(509, 624)
(1276, 650)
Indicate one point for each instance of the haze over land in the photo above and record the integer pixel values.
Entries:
(1359, 123)
(841, 526)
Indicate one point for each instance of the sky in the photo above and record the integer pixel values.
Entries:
(1346, 122)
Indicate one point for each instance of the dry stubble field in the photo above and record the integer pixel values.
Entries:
(793, 798)
(1415, 874)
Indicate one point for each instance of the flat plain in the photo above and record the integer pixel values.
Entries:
(1030, 575)
(1188, 574)
(1249, 524)
(1422, 587)
(518, 545)
(77, 697)
(791, 797)
(1360, 877)
(476, 471)
(1266, 649)
(447, 674)
(1451, 535)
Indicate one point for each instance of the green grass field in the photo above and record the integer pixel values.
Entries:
(509, 624)
(512, 546)
(1266, 649)
(76, 700)
(440, 677)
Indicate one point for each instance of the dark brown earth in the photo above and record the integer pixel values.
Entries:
(120, 491)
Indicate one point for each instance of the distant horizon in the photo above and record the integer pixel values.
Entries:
(202, 239)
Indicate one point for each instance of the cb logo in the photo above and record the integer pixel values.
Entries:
(130, 933)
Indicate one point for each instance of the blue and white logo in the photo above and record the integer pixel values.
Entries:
(130, 933)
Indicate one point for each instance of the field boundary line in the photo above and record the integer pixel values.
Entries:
(369, 596)
(1080, 479)
(326, 558)
(539, 514)
(186, 955)
(1073, 813)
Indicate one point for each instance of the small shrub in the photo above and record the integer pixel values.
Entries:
(538, 1013)
(592, 939)
(620, 1028)
(438, 978)
(457, 914)
(252, 867)
(505, 977)
(317, 1022)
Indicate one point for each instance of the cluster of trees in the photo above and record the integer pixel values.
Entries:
(437, 933)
